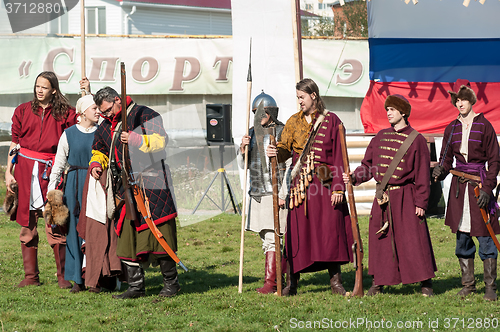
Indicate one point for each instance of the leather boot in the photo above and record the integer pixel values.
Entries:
(375, 289)
(468, 281)
(490, 276)
(30, 262)
(426, 286)
(270, 277)
(77, 288)
(60, 256)
(336, 279)
(170, 281)
(292, 282)
(135, 279)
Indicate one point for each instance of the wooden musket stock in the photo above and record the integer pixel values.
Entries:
(125, 172)
(276, 212)
(358, 245)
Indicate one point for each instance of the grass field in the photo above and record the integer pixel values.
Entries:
(209, 299)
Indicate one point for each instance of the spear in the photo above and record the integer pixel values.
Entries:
(82, 37)
(243, 214)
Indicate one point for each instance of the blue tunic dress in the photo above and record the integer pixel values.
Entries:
(80, 152)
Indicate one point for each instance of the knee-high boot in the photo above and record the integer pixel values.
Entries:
(170, 281)
(270, 274)
(292, 282)
(468, 281)
(60, 256)
(135, 279)
(490, 277)
(336, 279)
(30, 262)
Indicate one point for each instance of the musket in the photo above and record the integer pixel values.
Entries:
(125, 172)
(276, 213)
(130, 185)
(357, 246)
(243, 213)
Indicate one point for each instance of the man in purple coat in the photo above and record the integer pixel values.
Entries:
(400, 249)
(463, 215)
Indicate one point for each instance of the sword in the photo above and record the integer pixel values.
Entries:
(487, 221)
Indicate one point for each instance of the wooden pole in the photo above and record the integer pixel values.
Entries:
(82, 37)
(244, 207)
(297, 40)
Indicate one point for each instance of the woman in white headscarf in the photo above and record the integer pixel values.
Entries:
(73, 154)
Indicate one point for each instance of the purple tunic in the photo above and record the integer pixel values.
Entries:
(317, 232)
(404, 254)
(483, 147)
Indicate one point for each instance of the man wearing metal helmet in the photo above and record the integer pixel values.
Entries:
(463, 215)
(260, 218)
(400, 249)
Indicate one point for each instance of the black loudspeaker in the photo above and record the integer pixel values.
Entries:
(219, 123)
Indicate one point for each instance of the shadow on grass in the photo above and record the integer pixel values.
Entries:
(440, 286)
(196, 281)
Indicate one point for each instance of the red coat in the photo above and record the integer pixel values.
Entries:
(324, 235)
(404, 254)
(32, 132)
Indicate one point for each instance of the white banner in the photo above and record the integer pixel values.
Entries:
(158, 66)
(154, 66)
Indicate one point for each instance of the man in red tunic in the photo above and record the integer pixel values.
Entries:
(319, 234)
(402, 251)
(36, 128)
(471, 140)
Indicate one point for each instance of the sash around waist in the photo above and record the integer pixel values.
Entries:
(37, 156)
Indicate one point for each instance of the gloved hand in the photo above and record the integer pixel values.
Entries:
(438, 174)
(483, 199)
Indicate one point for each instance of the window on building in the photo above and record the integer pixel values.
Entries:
(325, 5)
(95, 18)
(309, 6)
(59, 24)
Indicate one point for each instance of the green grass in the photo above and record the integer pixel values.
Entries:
(209, 299)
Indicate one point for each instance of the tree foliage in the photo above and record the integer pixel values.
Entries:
(351, 20)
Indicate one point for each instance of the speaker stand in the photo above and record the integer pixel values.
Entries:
(223, 179)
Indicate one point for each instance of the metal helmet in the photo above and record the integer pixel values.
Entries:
(266, 99)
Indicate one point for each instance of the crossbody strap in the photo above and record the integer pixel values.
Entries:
(395, 162)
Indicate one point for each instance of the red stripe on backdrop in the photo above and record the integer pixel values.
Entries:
(431, 108)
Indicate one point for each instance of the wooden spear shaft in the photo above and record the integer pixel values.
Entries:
(82, 37)
(244, 207)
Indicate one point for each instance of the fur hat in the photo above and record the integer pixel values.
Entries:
(400, 103)
(55, 212)
(462, 90)
(11, 200)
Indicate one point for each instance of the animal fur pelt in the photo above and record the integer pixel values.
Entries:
(55, 212)
(11, 200)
